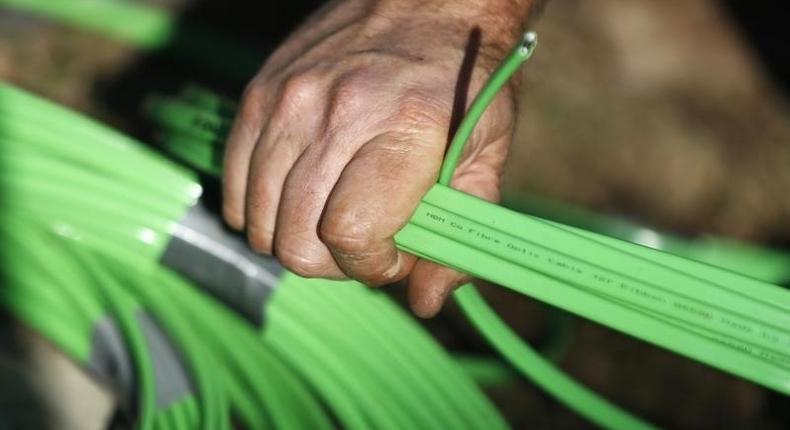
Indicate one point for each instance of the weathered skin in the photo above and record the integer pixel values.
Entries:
(344, 128)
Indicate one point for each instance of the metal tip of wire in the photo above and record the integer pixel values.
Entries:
(528, 42)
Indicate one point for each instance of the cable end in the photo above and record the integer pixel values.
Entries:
(528, 42)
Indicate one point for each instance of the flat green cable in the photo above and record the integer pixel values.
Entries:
(716, 273)
(709, 272)
(581, 299)
(598, 411)
(444, 199)
(608, 412)
(595, 266)
(767, 265)
(501, 337)
(591, 259)
(456, 150)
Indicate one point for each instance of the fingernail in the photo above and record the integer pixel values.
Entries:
(394, 269)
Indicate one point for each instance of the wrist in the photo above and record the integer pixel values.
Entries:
(503, 20)
(500, 22)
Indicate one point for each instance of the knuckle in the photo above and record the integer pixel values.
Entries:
(300, 89)
(347, 97)
(255, 90)
(420, 111)
(232, 214)
(260, 240)
(303, 262)
(252, 99)
(348, 89)
(347, 234)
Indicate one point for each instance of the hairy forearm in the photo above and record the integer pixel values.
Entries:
(506, 17)
(499, 23)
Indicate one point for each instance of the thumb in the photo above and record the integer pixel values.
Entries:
(430, 284)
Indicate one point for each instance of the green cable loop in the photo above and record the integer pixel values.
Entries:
(501, 337)
(701, 342)
(741, 301)
(84, 188)
(521, 53)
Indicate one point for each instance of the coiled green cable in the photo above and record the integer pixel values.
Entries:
(606, 413)
(501, 337)
(97, 180)
(764, 311)
(761, 358)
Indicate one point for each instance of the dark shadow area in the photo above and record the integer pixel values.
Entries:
(219, 45)
(461, 98)
(765, 26)
(20, 403)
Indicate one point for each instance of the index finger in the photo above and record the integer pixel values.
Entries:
(245, 132)
(376, 194)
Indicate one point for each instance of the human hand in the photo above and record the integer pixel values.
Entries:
(344, 129)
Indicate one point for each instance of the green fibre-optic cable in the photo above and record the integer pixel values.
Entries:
(442, 251)
(521, 53)
(397, 343)
(764, 264)
(393, 401)
(506, 342)
(124, 310)
(129, 21)
(582, 299)
(189, 118)
(583, 401)
(567, 257)
(487, 371)
(53, 196)
(761, 314)
(87, 245)
(543, 373)
(719, 317)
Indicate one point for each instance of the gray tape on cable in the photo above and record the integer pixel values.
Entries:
(111, 360)
(219, 260)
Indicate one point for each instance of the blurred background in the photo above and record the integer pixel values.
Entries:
(672, 113)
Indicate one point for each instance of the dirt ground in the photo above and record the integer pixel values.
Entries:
(657, 111)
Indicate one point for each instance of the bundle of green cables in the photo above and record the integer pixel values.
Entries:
(709, 313)
(709, 309)
(87, 214)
